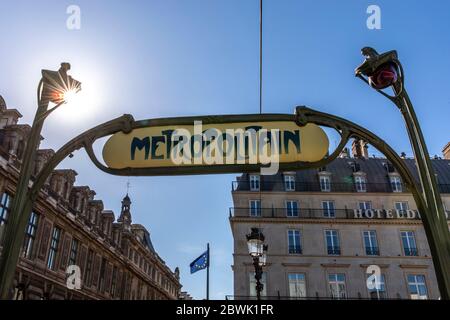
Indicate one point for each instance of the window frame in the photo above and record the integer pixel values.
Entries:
(397, 185)
(415, 275)
(30, 234)
(73, 253)
(296, 284)
(382, 290)
(373, 252)
(326, 185)
(54, 248)
(336, 250)
(255, 211)
(337, 282)
(328, 212)
(5, 207)
(297, 234)
(289, 182)
(255, 182)
(292, 212)
(409, 251)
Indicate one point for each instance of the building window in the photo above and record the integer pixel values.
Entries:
(88, 272)
(294, 244)
(371, 243)
(5, 204)
(379, 293)
(409, 243)
(289, 183)
(255, 208)
(328, 209)
(401, 207)
(73, 252)
(254, 182)
(325, 184)
(332, 241)
(253, 284)
(297, 285)
(417, 286)
(291, 208)
(113, 281)
(365, 205)
(101, 283)
(53, 248)
(360, 184)
(396, 183)
(30, 235)
(336, 282)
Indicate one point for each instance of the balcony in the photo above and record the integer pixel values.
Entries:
(308, 213)
(277, 185)
(411, 252)
(372, 251)
(295, 250)
(334, 251)
(284, 213)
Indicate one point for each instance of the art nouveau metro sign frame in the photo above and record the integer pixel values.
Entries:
(213, 144)
(302, 118)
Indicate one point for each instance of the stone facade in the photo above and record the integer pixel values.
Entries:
(69, 227)
(325, 227)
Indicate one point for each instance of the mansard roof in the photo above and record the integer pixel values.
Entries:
(342, 170)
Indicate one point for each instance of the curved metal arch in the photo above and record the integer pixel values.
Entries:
(84, 140)
(351, 130)
(303, 115)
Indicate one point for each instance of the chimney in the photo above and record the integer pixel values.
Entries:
(446, 151)
(345, 153)
(359, 149)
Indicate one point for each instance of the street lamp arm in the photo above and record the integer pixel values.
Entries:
(86, 140)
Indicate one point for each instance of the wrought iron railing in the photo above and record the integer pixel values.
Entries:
(411, 252)
(314, 186)
(311, 213)
(372, 251)
(334, 250)
(301, 213)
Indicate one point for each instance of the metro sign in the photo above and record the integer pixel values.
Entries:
(216, 144)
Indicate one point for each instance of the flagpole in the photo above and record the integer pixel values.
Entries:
(207, 275)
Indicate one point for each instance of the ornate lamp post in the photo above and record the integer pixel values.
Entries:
(55, 87)
(258, 251)
(382, 71)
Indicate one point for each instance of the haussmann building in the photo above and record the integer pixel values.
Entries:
(325, 227)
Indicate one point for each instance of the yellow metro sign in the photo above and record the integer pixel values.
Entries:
(215, 144)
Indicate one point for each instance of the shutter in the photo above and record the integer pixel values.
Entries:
(96, 270)
(45, 240)
(65, 250)
(82, 258)
(108, 274)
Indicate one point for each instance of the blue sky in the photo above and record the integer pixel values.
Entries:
(198, 57)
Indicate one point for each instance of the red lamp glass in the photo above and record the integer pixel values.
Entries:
(384, 76)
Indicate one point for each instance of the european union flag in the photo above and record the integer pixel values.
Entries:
(200, 263)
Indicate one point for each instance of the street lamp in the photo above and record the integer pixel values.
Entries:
(54, 87)
(258, 251)
(382, 71)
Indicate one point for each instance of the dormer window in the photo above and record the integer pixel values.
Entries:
(360, 183)
(396, 183)
(254, 182)
(289, 183)
(325, 181)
